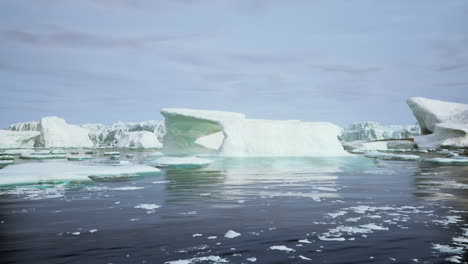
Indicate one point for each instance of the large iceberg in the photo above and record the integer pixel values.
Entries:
(443, 124)
(197, 131)
(369, 131)
(139, 139)
(25, 126)
(55, 132)
(18, 139)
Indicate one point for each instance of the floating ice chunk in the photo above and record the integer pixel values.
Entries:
(42, 156)
(388, 156)
(79, 158)
(231, 234)
(282, 248)
(181, 162)
(93, 230)
(4, 163)
(148, 206)
(460, 160)
(373, 226)
(335, 215)
(326, 189)
(306, 241)
(252, 259)
(76, 233)
(18, 139)
(211, 259)
(111, 153)
(212, 237)
(360, 146)
(454, 259)
(325, 238)
(447, 249)
(56, 171)
(197, 235)
(304, 258)
(139, 139)
(248, 137)
(7, 157)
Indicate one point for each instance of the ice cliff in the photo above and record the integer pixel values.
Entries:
(56, 132)
(443, 124)
(18, 139)
(198, 131)
(369, 131)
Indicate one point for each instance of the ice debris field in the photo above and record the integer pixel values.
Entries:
(217, 187)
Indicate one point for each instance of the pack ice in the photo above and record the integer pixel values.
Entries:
(44, 172)
(443, 124)
(192, 131)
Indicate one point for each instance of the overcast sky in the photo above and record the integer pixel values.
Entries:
(92, 61)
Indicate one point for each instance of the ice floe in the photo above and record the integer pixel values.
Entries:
(231, 234)
(389, 156)
(282, 248)
(210, 259)
(181, 162)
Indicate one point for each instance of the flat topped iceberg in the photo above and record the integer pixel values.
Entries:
(44, 172)
(55, 132)
(444, 124)
(197, 131)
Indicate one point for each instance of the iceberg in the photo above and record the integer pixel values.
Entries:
(443, 124)
(369, 131)
(110, 136)
(140, 139)
(190, 131)
(25, 126)
(44, 172)
(18, 139)
(55, 132)
(389, 156)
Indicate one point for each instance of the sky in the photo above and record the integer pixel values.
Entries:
(100, 61)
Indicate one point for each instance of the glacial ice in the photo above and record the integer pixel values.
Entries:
(369, 131)
(443, 124)
(18, 139)
(139, 139)
(247, 137)
(55, 132)
(24, 126)
(181, 162)
(56, 171)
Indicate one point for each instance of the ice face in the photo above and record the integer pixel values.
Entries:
(18, 139)
(32, 173)
(186, 129)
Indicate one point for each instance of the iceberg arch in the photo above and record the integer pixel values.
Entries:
(192, 131)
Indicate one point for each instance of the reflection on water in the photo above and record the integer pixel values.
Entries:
(352, 210)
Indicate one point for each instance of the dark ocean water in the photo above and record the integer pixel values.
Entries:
(348, 210)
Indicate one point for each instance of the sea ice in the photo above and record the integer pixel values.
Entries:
(460, 160)
(389, 156)
(56, 171)
(211, 259)
(231, 234)
(181, 162)
(282, 248)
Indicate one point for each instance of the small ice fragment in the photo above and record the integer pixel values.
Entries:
(212, 237)
(373, 226)
(93, 230)
(324, 238)
(304, 258)
(76, 233)
(197, 235)
(148, 206)
(252, 259)
(282, 248)
(231, 234)
(306, 241)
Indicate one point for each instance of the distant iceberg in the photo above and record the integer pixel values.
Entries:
(18, 139)
(139, 139)
(370, 131)
(443, 124)
(197, 131)
(56, 132)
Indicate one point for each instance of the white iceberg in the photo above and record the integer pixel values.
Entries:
(44, 172)
(188, 132)
(55, 132)
(443, 124)
(181, 162)
(25, 126)
(370, 131)
(139, 139)
(18, 139)
(361, 146)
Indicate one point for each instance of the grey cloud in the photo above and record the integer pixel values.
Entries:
(66, 38)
